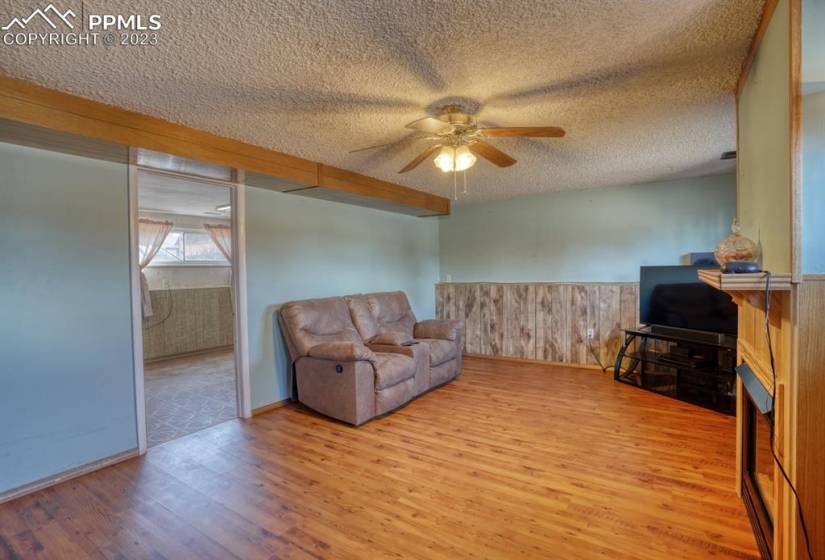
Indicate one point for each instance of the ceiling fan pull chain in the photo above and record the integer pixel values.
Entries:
(465, 181)
(455, 186)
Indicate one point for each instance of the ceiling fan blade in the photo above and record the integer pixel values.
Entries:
(411, 137)
(420, 157)
(529, 131)
(370, 148)
(431, 125)
(491, 153)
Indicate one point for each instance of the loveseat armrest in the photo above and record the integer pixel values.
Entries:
(344, 390)
(420, 353)
(443, 329)
(342, 352)
(391, 338)
(390, 349)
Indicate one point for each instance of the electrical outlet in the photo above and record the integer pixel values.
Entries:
(449, 278)
(590, 334)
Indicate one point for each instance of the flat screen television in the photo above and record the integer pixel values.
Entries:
(673, 296)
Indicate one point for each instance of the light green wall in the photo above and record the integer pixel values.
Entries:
(813, 184)
(67, 383)
(66, 368)
(813, 41)
(599, 235)
(301, 248)
(813, 137)
(764, 146)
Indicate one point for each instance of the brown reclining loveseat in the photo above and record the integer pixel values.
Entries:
(360, 356)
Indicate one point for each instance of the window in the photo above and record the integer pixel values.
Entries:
(189, 247)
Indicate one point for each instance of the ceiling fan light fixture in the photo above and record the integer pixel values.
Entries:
(445, 160)
(464, 158)
(452, 159)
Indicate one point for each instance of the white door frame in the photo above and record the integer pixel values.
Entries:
(243, 392)
(137, 308)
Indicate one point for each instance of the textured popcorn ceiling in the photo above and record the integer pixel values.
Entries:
(644, 88)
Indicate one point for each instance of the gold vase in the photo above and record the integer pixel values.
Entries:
(736, 247)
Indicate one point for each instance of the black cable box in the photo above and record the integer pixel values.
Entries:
(740, 267)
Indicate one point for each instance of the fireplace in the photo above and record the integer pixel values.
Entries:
(758, 490)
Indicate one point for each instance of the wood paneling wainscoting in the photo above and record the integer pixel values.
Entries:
(546, 322)
(188, 320)
(810, 412)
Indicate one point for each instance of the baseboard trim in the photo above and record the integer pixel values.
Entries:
(269, 407)
(44, 483)
(214, 350)
(532, 361)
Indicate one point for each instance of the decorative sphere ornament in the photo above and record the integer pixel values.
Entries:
(736, 247)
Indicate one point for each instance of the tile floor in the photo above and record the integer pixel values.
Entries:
(184, 395)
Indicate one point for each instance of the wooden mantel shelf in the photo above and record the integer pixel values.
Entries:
(780, 282)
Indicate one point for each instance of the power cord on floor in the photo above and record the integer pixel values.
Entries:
(773, 418)
(595, 355)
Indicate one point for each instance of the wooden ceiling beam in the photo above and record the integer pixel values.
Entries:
(28, 103)
(355, 184)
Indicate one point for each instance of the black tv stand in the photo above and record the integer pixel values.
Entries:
(693, 366)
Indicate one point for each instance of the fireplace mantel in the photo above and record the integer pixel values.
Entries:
(748, 292)
(752, 282)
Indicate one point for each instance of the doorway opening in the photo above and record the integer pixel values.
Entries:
(185, 227)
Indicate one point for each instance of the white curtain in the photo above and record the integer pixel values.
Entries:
(221, 235)
(151, 235)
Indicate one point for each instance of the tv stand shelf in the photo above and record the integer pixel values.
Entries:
(694, 366)
(661, 359)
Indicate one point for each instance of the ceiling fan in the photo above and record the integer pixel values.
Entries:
(458, 140)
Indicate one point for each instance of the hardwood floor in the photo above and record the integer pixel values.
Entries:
(509, 461)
